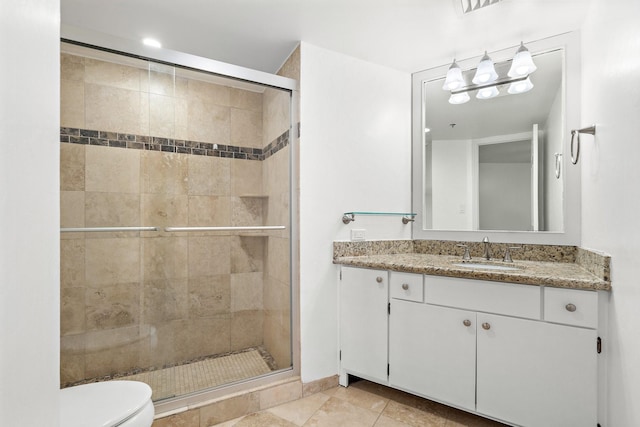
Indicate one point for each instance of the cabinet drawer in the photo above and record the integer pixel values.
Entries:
(572, 307)
(407, 286)
(479, 295)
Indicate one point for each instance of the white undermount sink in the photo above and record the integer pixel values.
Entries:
(474, 265)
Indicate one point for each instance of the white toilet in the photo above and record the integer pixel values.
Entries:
(107, 404)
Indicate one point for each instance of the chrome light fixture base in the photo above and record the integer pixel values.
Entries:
(496, 84)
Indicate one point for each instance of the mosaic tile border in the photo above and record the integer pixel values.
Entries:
(171, 145)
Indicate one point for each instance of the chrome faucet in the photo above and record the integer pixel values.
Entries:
(507, 253)
(487, 249)
(466, 257)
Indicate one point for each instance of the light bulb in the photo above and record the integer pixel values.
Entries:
(521, 86)
(486, 72)
(522, 63)
(454, 78)
(459, 98)
(487, 92)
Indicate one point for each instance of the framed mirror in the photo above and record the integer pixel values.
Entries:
(498, 166)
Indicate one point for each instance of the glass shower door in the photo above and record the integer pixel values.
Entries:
(200, 296)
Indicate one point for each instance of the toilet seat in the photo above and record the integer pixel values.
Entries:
(106, 404)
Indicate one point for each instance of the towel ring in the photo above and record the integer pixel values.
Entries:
(558, 164)
(574, 158)
(591, 130)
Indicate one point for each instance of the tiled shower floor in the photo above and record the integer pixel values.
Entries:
(184, 379)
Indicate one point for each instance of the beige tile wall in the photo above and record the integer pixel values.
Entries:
(106, 96)
(139, 300)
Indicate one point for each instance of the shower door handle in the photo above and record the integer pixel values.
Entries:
(247, 228)
(104, 229)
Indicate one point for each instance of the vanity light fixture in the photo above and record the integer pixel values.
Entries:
(454, 78)
(522, 64)
(487, 92)
(486, 79)
(521, 86)
(459, 98)
(486, 71)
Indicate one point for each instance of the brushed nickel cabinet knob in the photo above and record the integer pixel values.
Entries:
(466, 322)
(570, 307)
(486, 326)
(405, 286)
(379, 279)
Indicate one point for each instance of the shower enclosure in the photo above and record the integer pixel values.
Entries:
(175, 225)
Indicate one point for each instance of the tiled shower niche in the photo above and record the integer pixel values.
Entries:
(140, 301)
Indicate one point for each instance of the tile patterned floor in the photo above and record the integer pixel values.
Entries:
(362, 404)
(203, 374)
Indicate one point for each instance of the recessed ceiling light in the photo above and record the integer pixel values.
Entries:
(151, 42)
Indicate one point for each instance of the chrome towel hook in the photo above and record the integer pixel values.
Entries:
(591, 130)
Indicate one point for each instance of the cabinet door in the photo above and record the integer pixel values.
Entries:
(535, 373)
(363, 323)
(432, 352)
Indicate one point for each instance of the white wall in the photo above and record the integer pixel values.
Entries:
(451, 185)
(29, 213)
(355, 154)
(610, 176)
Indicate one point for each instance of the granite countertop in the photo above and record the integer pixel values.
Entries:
(540, 273)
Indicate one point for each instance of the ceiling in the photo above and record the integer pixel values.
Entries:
(408, 35)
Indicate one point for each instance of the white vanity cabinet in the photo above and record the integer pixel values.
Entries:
(364, 298)
(525, 355)
(432, 352)
(533, 373)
